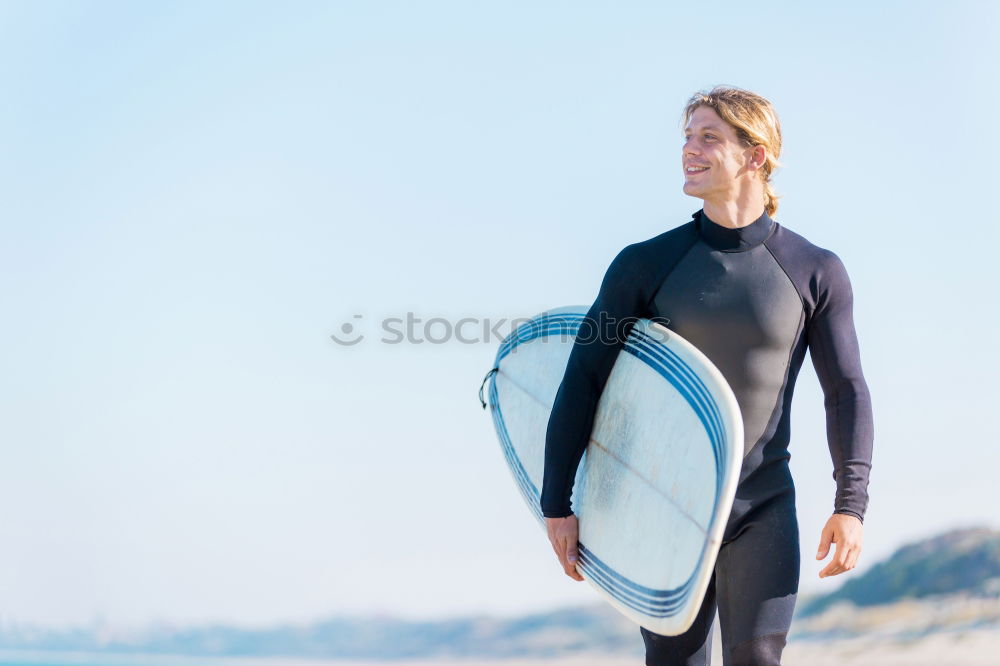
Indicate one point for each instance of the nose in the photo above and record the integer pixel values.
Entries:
(690, 147)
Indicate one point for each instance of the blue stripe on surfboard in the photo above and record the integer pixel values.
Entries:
(565, 323)
(532, 329)
(666, 362)
(655, 603)
(672, 367)
(529, 330)
(667, 368)
(652, 602)
(653, 599)
(695, 380)
(528, 490)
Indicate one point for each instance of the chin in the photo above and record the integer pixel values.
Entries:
(691, 191)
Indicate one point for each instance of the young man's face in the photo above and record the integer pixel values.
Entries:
(711, 142)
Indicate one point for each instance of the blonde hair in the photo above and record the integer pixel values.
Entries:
(756, 124)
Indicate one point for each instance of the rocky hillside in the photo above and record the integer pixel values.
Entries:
(963, 562)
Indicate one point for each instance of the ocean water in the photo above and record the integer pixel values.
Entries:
(46, 658)
(53, 658)
(50, 658)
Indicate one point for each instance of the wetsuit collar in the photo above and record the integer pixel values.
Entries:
(733, 240)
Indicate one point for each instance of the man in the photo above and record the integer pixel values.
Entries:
(753, 296)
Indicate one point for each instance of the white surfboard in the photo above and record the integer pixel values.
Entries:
(656, 484)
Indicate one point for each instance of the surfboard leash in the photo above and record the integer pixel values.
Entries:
(489, 374)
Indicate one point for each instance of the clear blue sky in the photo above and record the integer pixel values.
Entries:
(194, 196)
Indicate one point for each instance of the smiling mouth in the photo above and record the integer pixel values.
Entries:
(689, 171)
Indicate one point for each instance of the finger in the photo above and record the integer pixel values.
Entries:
(832, 569)
(853, 561)
(569, 568)
(571, 552)
(838, 564)
(571, 559)
(825, 539)
(843, 557)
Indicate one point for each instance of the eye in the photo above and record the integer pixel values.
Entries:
(710, 136)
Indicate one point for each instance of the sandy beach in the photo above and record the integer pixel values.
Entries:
(977, 647)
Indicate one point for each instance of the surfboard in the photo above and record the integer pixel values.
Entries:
(656, 483)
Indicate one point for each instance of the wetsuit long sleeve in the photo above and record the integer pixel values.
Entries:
(590, 362)
(626, 294)
(833, 346)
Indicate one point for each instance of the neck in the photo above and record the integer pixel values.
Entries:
(739, 212)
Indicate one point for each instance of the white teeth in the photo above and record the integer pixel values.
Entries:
(690, 169)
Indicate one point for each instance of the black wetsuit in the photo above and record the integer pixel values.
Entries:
(751, 299)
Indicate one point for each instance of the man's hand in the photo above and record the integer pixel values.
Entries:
(847, 532)
(563, 535)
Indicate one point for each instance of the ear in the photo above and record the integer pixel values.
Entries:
(758, 156)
